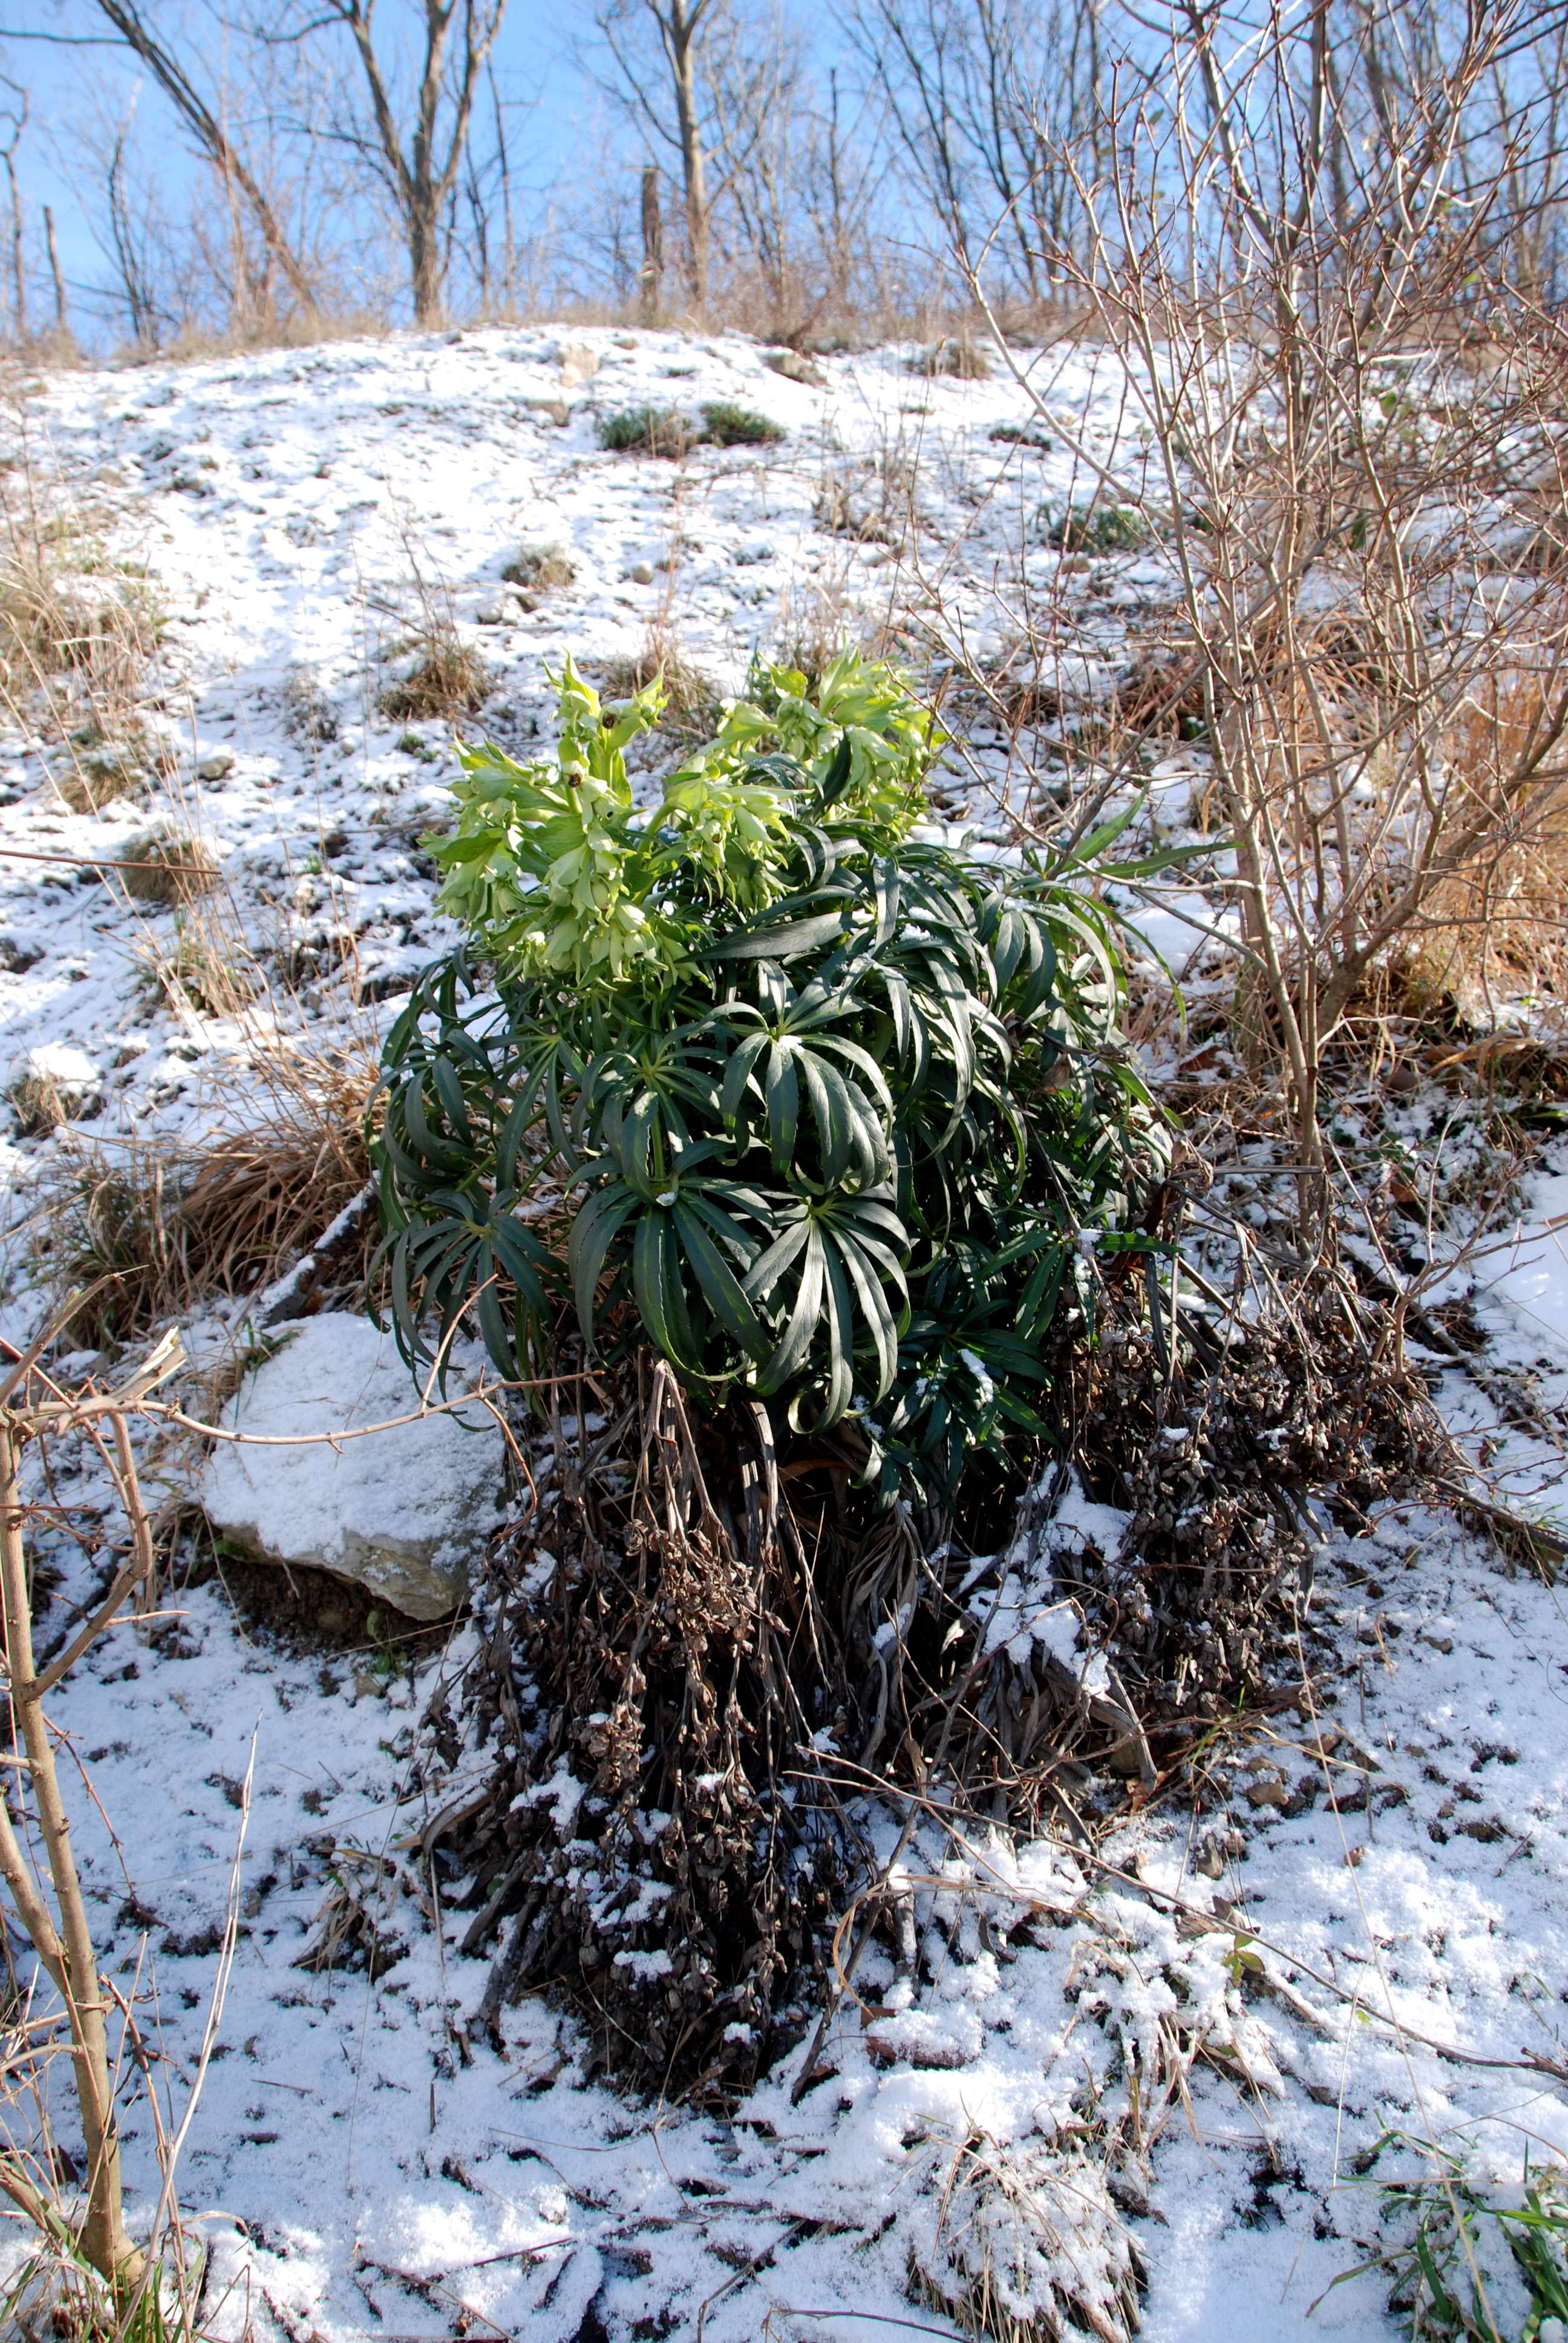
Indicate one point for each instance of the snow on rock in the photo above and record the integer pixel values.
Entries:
(401, 1512)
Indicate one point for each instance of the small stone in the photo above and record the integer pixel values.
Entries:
(641, 573)
(1268, 1790)
(578, 363)
(490, 614)
(795, 368)
(216, 768)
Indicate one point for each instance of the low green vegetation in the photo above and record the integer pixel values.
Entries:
(729, 426)
(645, 431)
(837, 1111)
(1096, 528)
(1472, 2264)
(665, 431)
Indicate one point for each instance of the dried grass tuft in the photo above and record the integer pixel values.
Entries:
(203, 967)
(151, 1234)
(694, 704)
(79, 627)
(93, 779)
(540, 568)
(1497, 929)
(40, 1104)
(167, 866)
(1025, 2245)
(955, 355)
(447, 678)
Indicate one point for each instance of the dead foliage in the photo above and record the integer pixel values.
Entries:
(447, 678)
(697, 1654)
(91, 778)
(870, 500)
(540, 569)
(694, 704)
(167, 866)
(963, 359)
(149, 1234)
(1497, 929)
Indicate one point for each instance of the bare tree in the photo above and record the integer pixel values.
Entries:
(685, 71)
(13, 122)
(203, 118)
(420, 151)
(997, 108)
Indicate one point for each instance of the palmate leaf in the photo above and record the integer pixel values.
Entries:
(839, 1151)
(793, 1051)
(683, 1248)
(826, 1279)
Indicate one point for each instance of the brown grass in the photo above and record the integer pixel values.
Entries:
(167, 866)
(448, 679)
(203, 967)
(151, 1234)
(540, 568)
(694, 707)
(1500, 928)
(953, 355)
(78, 627)
(88, 784)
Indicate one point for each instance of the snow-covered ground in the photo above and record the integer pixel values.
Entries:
(370, 2166)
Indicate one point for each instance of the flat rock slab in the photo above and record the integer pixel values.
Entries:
(401, 1512)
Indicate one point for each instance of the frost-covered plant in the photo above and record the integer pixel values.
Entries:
(1470, 2261)
(833, 1105)
(1024, 2241)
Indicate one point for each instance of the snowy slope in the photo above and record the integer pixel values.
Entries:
(372, 2168)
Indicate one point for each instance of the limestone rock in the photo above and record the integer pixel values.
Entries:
(795, 368)
(400, 1513)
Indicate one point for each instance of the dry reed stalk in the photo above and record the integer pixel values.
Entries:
(1499, 930)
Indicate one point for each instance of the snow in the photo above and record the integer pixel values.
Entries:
(364, 2160)
(1534, 1283)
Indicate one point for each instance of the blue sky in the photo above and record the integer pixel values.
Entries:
(537, 62)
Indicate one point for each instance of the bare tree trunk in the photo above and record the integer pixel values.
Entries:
(62, 321)
(15, 121)
(421, 178)
(18, 258)
(679, 29)
(651, 275)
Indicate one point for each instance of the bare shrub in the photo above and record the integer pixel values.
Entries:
(85, 2276)
(1337, 487)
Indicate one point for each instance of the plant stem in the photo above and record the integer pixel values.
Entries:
(67, 1952)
